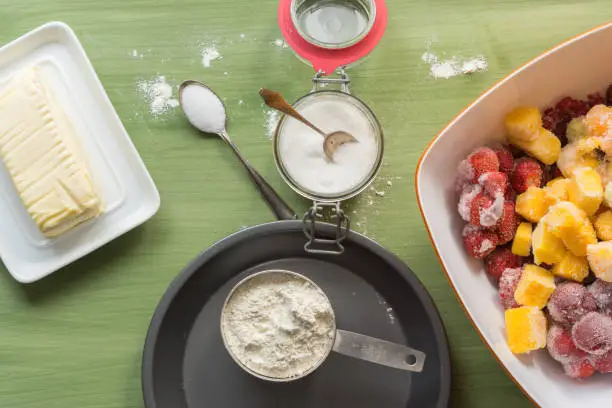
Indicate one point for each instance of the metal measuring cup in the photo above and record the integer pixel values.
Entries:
(343, 342)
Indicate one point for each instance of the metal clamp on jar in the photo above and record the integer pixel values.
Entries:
(299, 156)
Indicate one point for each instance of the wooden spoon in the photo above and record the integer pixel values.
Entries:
(331, 141)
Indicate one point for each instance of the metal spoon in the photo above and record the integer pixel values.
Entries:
(331, 141)
(276, 203)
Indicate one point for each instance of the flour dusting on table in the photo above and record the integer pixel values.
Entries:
(280, 43)
(158, 94)
(209, 54)
(454, 66)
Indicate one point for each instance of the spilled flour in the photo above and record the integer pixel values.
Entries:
(453, 66)
(158, 95)
(209, 54)
(280, 43)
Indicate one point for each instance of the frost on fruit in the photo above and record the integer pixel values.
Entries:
(608, 194)
(507, 286)
(593, 333)
(465, 201)
(600, 259)
(569, 302)
(489, 216)
(525, 329)
(561, 347)
(602, 293)
(465, 171)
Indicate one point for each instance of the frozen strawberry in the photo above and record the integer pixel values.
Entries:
(527, 173)
(479, 204)
(478, 243)
(569, 302)
(561, 347)
(510, 194)
(508, 224)
(465, 201)
(494, 183)
(602, 363)
(579, 369)
(504, 156)
(593, 333)
(480, 161)
(500, 260)
(602, 292)
(507, 286)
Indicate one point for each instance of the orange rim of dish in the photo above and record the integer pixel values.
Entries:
(428, 147)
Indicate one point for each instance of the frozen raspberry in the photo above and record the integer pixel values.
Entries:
(555, 172)
(480, 161)
(602, 292)
(593, 333)
(561, 347)
(571, 108)
(527, 173)
(465, 201)
(507, 286)
(485, 212)
(579, 369)
(569, 302)
(595, 99)
(603, 363)
(504, 156)
(550, 118)
(500, 260)
(494, 183)
(508, 224)
(478, 243)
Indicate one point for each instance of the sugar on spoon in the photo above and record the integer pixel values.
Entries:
(331, 141)
(206, 112)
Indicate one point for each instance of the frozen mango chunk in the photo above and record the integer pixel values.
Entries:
(547, 247)
(546, 147)
(556, 189)
(523, 123)
(526, 329)
(603, 225)
(600, 260)
(571, 225)
(532, 204)
(578, 241)
(599, 120)
(521, 245)
(535, 286)
(585, 189)
(570, 159)
(572, 267)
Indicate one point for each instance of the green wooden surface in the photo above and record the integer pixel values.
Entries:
(75, 338)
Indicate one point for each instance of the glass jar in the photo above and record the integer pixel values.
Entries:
(302, 163)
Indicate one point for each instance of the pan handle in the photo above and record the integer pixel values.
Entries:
(378, 351)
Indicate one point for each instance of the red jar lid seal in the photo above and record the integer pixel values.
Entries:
(327, 60)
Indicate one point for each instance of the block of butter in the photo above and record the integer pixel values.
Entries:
(39, 147)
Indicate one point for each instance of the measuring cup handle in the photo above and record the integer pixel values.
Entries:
(378, 351)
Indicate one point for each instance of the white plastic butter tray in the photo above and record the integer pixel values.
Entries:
(121, 178)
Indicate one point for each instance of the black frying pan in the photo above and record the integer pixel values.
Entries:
(372, 292)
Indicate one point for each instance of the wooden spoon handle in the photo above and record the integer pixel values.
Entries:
(276, 101)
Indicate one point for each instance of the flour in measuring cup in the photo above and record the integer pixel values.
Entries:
(278, 325)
